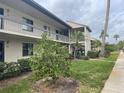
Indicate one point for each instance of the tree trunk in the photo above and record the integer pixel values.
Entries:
(74, 53)
(105, 29)
(76, 48)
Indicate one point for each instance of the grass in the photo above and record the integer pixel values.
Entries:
(92, 75)
(113, 57)
(22, 86)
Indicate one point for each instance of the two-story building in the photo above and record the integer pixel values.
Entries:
(22, 22)
(86, 38)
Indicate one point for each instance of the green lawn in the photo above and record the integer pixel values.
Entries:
(92, 75)
(113, 57)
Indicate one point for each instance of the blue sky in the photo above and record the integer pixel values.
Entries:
(89, 12)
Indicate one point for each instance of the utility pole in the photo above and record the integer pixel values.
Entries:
(105, 29)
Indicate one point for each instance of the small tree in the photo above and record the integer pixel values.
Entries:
(77, 36)
(49, 59)
(101, 35)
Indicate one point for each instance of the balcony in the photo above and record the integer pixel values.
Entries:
(73, 40)
(13, 26)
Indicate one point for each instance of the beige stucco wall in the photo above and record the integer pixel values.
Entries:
(13, 43)
(13, 50)
(13, 47)
(14, 14)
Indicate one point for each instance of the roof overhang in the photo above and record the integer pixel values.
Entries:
(36, 11)
(75, 25)
(88, 28)
(45, 11)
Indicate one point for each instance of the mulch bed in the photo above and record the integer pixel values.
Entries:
(62, 85)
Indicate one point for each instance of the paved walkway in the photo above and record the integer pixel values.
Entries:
(115, 83)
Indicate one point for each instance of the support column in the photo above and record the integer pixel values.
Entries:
(69, 41)
(87, 41)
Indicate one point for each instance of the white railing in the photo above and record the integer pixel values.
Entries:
(73, 40)
(62, 37)
(14, 25)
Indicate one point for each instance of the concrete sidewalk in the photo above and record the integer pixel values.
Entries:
(115, 83)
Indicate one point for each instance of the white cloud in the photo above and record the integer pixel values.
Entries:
(90, 12)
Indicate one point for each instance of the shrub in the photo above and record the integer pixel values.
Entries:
(111, 47)
(1, 76)
(71, 57)
(13, 69)
(24, 65)
(93, 54)
(107, 53)
(49, 60)
(2, 66)
(84, 57)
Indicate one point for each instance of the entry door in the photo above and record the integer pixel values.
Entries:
(1, 51)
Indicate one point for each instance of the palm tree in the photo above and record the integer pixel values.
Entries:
(77, 36)
(105, 29)
(96, 44)
(101, 35)
(116, 36)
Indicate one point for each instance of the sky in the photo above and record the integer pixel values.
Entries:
(91, 13)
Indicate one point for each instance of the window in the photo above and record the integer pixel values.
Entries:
(46, 28)
(27, 49)
(28, 25)
(1, 19)
(64, 32)
(1, 11)
(57, 36)
(57, 32)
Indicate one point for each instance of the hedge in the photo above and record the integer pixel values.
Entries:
(8, 70)
(13, 69)
(2, 67)
(93, 54)
(24, 65)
